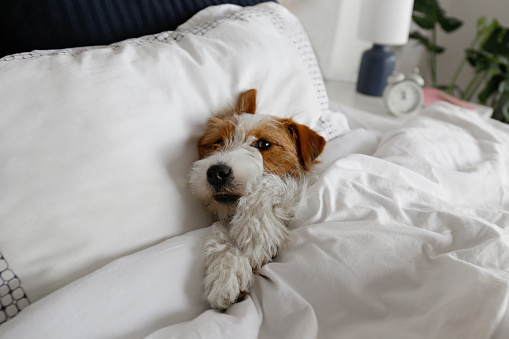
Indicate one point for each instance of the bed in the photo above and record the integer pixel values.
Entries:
(403, 233)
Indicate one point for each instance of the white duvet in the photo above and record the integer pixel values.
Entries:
(403, 236)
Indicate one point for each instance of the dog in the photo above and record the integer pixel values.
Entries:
(252, 176)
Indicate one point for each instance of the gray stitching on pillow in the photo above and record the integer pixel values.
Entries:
(293, 31)
(12, 296)
(329, 131)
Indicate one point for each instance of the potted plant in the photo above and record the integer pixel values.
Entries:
(488, 54)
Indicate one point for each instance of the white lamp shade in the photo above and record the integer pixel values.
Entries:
(385, 22)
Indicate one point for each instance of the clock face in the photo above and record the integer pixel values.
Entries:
(404, 98)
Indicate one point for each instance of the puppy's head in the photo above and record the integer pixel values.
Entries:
(239, 145)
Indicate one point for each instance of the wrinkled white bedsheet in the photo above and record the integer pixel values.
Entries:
(404, 235)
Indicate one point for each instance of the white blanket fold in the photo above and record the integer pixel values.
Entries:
(402, 239)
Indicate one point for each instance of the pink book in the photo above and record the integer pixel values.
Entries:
(432, 95)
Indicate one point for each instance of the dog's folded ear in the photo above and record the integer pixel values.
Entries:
(246, 102)
(309, 144)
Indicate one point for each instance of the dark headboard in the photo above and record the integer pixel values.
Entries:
(26, 25)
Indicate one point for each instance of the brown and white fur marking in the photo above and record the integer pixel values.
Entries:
(251, 175)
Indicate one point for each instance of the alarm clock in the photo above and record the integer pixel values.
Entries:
(403, 94)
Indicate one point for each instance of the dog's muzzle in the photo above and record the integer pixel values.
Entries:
(219, 177)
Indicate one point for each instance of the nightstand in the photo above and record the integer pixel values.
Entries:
(344, 93)
(361, 111)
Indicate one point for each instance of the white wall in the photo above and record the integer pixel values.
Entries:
(332, 27)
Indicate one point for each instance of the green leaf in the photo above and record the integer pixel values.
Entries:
(421, 5)
(425, 13)
(481, 23)
(430, 46)
(448, 24)
(502, 107)
(504, 85)
(483, 32)
(436, 49)
(483, 61)
(423, 22)
(419, 37)
(505, 111)
(490, 89)
(497, 42)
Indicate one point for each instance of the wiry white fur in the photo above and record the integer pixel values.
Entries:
(252, 231)
(246, 163)
(259, 226)
(227, 269)
(234, 251)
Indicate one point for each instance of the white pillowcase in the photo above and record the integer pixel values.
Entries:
(96, 143)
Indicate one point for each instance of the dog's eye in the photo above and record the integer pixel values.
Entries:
(262, 145)
(219, 142)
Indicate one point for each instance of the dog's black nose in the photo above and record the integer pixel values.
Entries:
(219, 175)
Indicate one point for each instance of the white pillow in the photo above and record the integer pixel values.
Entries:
(96, 143)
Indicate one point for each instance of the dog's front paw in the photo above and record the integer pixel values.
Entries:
(228, 279)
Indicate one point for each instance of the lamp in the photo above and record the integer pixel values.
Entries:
(385, 23)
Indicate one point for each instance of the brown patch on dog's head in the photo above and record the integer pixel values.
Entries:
(218, 130)
(222, 126)
(280, 157)
(246, 102)
(309, 144)
(293, 147)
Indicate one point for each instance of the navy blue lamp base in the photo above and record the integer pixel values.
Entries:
(376, 65)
